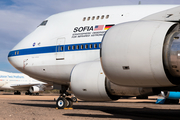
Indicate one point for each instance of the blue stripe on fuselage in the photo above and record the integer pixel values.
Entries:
(51, 49)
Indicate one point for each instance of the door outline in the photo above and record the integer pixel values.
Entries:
(60, 47)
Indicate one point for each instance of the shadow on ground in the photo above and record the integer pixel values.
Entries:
(115, 112)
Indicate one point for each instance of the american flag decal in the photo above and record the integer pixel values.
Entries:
(98, 27)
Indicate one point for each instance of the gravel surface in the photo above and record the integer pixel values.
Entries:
(23, 107)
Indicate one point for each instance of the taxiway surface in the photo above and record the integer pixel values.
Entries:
(23, 107)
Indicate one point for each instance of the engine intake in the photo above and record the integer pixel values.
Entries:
(172, 56)
(37, 88)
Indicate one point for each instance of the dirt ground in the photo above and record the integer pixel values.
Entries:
(23, 107)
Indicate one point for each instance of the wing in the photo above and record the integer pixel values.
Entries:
(26, 86)
(170, 15)
(22, 86)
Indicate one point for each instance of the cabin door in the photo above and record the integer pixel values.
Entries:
(60, 48)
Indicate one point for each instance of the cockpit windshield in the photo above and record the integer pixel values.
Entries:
(43, 23)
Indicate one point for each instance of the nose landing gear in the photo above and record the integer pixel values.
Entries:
(64, 102)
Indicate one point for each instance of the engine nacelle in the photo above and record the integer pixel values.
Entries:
(142, 54)
(88, 82)
(171, 94)
(36, 89)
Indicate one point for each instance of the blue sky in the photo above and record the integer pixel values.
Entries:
(18, 18)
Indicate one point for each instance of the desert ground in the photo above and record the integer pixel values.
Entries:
(42, 107)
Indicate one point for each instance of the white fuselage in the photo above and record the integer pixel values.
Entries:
(69, 38)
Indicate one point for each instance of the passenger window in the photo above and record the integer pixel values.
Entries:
(81, 46)
(86, 46)
(97, 17)
(73, 47)
(90, 46)
(84, 18)
(69, 47)
(61, 48)
(88, 18)
(93, 17)
(95, 45)
(17, 52)
(107, 16)
(77, 47)
(99, 45)
(102, 17)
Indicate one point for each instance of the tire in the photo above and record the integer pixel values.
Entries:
(61, 103)
(74, 99)
(142, 97)
(171, 101)
(17, 93)
(69, 102)
(27, 93)
(174, 101)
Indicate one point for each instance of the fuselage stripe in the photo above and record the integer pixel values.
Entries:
(56, 48)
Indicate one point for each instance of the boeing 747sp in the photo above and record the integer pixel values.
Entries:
(103, 53)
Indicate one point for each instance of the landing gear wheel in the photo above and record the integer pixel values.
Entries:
(74, 99)
(17, 93)
(172, 101)
(142, 97)
(176, 101)
(28, 93)
(61, 103)
(69, 102)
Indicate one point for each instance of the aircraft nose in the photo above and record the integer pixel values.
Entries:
(14, 60)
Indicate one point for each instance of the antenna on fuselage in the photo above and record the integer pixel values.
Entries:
(139, 3)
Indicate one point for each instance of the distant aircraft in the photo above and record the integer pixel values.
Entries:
(21, 82)
(104, 53)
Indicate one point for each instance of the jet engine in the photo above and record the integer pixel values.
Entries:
(88, 82)
(35, 89)
(142, 54)
(38, 88)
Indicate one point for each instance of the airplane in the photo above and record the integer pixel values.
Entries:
(104, 53)
(21, 82)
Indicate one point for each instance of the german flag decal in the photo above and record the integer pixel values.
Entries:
(108, 26)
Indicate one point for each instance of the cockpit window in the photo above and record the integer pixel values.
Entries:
(43, 23)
